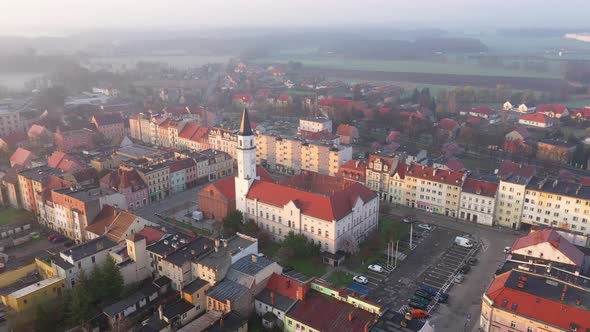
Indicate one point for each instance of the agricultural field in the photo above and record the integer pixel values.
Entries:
(177, 61)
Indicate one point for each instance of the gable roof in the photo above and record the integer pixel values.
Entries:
(36, 130)
(22, 157)
(345, 130)
(448, 124)
(551, 108)
(483, 111)
(508, 167)
(436, 175)
(480, 187)
(152, 234)
(535, 117)
(455, 165)
(188, 130)
(283, 285)
(181, 164)
(105, 119)
(123, 178)
(225, 186)
(550, 236)
(325, 207)
(112, 221)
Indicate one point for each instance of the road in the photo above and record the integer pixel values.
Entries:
(170, 202)
(463, 310)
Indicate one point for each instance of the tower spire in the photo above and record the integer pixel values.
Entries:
(245, 128)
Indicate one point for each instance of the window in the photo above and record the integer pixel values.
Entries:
(93, 260)
(513, 324)
(529, 329)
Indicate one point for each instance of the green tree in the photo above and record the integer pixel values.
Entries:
(43, 322)
(79, 308)
(97, 285)
(112, 280)
(233, 222)
(297, 245)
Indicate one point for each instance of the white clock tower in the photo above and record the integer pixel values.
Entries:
(246, 155)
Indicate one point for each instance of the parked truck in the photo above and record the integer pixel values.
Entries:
(463, 242)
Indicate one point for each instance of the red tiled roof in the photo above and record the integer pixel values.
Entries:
(384, 160)
(35, 131)
(200, 134)
(549, 235)
(327, 314)
(152, 234)
(436, 175)
(122, 178)
(354, 170)
(112, 221)
(473, 120)
(401, 170)
(535, 117)
(105, 119)
(548, 108)
(532, 306)
(182, 164)
(15, 138)
(22, 157)
(384, 110)
(448, 124)
(508, 167)
(480, 187)
(188, 130)
(326, 207)
(283, 97)
(263, 174)
(227, 187)
(345, 130)
(583, 113)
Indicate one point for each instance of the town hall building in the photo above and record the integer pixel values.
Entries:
(333, 212)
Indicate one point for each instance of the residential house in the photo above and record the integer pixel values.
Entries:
(348, 134)
(74, 140)
(110, 125)
(228, 296)
(555, 150)
(66, 162)
(82, 257)
(214, 266)
(478, 200)
(449, 127)
(216, 321)
(22, 157)
(157, 177)
(553, 110)
(177, 264)
(483, 113)
(40, 136)
(160, 249)
(134, 305)
(354, 170)
(183, 175)
(510, 199)
(515, 141)
(276, 300)
(116, 224)
(195, 293)
(379, 169)
(75, 208)
(127, 181)
(536, 120)
(223, 140)
(9, 187)
(35, 182)
(581, 114)
(212, 165)
(253, 272)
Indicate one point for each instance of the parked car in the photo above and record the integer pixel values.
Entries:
(465, 269)
(417, 305)
(376, 268)
(431, 290)
(419, 313)
(58, 239)
(35, 235)
(472, 261)
(463, 242)
(53, 236)
(459, 278)
(424, 294)
(409, 219)
(419, 299)
(425, 226)
(443, 297)
(361, 279)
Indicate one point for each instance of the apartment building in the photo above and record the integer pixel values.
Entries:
(10, 118)
(183, 174)
(291, 156)
(74, 140)
(478, 200)
(75, 208)
(193, 137)
(379, 168)
(433, 190)
(315, 125)
(144, 127)
(127, 181)
(110, 125)
(223, 140)
(510, 200)
(35, 182)
(213, 164)
(556, 203)
(157, 177)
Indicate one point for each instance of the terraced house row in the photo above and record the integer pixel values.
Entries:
(514, 196)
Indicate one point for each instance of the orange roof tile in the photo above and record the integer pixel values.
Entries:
(112, 221)
(435, 175)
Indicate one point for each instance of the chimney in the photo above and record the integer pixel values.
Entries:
(225, 243)
(193, 252)
(300, 293)
(272, 298)
(216, 243)
(350, 316)
(160, 311)
(254, 258)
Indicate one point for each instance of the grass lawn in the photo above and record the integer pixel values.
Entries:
(311, 266)
(340, 279)
(12, 216)
(577, 132)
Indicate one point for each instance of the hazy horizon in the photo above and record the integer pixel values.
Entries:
(62, 17)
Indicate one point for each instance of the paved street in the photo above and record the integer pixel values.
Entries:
(436, 253)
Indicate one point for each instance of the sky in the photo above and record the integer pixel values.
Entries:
(50, 17)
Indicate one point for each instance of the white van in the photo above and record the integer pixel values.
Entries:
(463, 242)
